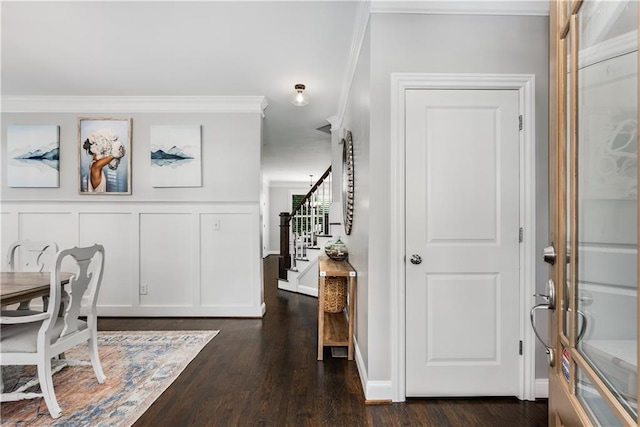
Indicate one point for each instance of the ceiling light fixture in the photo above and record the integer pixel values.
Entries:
(299, 99)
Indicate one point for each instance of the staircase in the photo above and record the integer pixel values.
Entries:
(303, 234)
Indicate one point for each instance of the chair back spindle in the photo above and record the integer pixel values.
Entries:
(84, 285)
(33, 256)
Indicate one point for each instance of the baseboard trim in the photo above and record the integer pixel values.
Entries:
(542, 388)
(184, 311)
(362, 369)
(287, 286)
(308, 290)
(375, 392)
(381, 392)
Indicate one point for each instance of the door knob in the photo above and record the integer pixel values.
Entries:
(416, 259)
(549, 254)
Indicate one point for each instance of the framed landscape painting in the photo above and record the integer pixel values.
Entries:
(104, 150)
(176, 156)
(33, 153)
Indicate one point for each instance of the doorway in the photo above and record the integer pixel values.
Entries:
(523, 366)
(462, 210)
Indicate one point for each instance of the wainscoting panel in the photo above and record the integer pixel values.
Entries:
(115, 231)
(165, 259)
(8, 233)
(225, 241)
(195, 258)
(61, 227)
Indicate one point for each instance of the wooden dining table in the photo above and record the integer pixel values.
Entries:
(16, 287)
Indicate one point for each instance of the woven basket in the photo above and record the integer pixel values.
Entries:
(335, 294)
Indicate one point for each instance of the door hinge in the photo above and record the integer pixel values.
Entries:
(520, 348)
(521, 235)
(520, 122)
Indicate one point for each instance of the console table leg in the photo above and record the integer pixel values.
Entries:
(321, 317)
(352, 314)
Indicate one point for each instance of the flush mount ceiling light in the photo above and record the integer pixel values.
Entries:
(299, 99)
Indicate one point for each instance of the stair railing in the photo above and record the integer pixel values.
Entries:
(299, 229)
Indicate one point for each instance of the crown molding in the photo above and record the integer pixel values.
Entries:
(441, 7)
(134, 104)
(335, 122)
(468, 7)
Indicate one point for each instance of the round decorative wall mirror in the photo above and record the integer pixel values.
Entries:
(348, 187)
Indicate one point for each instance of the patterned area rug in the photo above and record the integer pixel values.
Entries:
(139, 366)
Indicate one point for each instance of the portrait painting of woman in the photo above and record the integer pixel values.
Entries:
(105, 146)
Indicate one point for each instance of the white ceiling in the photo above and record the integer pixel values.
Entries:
(209, 48)
(204, 48)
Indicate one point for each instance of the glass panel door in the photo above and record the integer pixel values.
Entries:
(607, 191)
(594, 404)
(566, 302)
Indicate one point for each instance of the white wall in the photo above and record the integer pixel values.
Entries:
(356, 120)
(280, 201)
(265, 204)
(422, 43)
(165, 238)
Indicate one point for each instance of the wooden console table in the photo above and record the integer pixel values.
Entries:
(336, 329)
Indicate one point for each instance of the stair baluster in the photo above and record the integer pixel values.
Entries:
(299, 229)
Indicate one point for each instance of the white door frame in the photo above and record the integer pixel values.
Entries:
(525, 84)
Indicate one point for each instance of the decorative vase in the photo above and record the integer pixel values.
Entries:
(337, 250)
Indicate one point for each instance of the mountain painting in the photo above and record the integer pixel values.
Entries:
(176, 159)
(33, 153)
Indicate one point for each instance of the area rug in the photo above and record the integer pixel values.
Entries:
(139, 366)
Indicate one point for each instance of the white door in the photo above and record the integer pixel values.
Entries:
(462, 208)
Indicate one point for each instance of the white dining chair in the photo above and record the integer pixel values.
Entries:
(36, 339)
(33, 256)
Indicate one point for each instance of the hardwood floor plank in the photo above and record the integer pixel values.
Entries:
(264, 372)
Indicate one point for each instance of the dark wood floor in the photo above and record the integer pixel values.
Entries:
(264, 372)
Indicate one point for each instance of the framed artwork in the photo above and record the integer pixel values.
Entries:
(33, 156)
(104, 150)
(176, 156)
